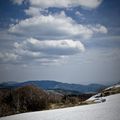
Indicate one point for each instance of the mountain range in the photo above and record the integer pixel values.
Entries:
(54, 85)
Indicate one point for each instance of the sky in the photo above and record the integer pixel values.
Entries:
(73, 41)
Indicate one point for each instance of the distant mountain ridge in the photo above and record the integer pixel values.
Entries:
(54, 85)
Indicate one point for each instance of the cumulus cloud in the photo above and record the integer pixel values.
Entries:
(33, 11)
(99, 29)
(41, 51)
(50, 37)
(55, 27)
(52, 47)
(61, 3)
(47, 38)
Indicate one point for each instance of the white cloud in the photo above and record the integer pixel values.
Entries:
(51, 37)
(100, 29)
(42, 52)
(51, 47)
(33, 11)
(55, 27)
(62, 3)
(7, 57)
(78, 13)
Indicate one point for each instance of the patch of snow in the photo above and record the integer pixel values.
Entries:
(108, 110)
(94, 97)
(97, 98)
(115, 86)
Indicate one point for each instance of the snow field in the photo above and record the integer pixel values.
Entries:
(109, 110)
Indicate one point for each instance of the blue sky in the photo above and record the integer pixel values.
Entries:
(68, 41)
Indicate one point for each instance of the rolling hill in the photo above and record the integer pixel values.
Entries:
(54, 85)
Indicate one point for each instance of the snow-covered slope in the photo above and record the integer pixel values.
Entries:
(115, 86)
(108, 110)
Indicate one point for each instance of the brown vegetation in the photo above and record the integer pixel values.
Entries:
(31, 98)
(111, 91)
(24, 99)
